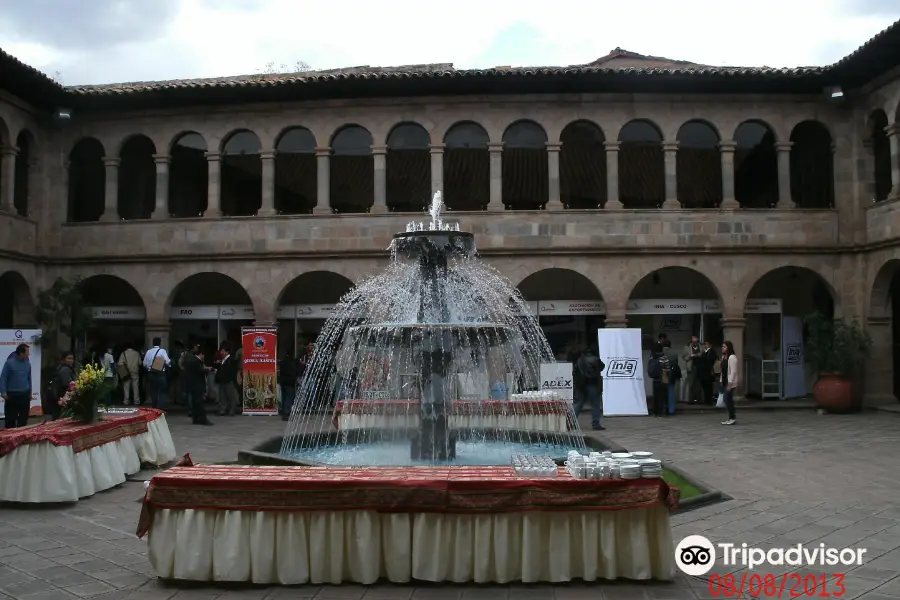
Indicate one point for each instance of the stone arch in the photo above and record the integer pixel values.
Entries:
(756, 165)
(467, 171)
(525, 166)
(137, 177)
(17, 303)
(880, 151)
(881, 295)
(105, 289)
(802, 290)
(582, 165)
(208, 288)
(812, 165)
(642, 182)
(241, 174)
(699, 165)
(5, 136)
(26, 159)
(408, 168)
(309, 295)
(352, 170)
(87, 181)
(558, 283)
(296, 176)
(188, 175)
(107, 292)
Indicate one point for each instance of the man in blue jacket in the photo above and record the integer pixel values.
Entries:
(15, 387)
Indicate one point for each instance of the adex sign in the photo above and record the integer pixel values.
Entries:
(557, 377)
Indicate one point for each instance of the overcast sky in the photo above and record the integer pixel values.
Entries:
(103, 41)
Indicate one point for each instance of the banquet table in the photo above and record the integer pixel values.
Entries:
(521, 415)
(297, 525)
(62, 460)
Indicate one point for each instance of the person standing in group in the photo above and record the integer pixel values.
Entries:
(194, 372)
(15, 387)
(288, 372)
(730, 380)
(674, 375)
(156, 362)
(226, 379)
(705, 369)
(129, 367)
(590, 368)
(690, 386)
(660, 371)
(64, 377)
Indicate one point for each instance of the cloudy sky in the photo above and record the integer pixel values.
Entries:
(103, 41)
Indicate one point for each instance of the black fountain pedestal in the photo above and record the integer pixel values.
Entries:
(434, 440)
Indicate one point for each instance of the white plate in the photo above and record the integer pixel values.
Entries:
(642, 454)
(621, 455)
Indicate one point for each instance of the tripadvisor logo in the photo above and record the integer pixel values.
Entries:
(695, 555)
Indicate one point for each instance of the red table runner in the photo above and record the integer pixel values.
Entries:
(65, 432)
(455, 489)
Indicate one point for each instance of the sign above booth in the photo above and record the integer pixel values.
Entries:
(571, 307)
(118, 313)
(763, 305)
(664, 307)
(212, 313)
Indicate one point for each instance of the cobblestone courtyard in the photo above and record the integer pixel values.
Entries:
(793, 476)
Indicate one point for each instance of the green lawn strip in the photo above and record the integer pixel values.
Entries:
(687, 489)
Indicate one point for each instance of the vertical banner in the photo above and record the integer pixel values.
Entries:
(794, 383)
(260, 370)
(9, 339)
(623, 379)
(557, 377)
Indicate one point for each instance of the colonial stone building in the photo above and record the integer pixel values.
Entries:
(631, 190)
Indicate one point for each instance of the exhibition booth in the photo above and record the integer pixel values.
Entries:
(115, 327)
(209, 325)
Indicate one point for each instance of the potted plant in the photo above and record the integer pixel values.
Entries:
(85, 395)
(837, 352)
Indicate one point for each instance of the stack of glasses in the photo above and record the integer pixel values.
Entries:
(534, 466)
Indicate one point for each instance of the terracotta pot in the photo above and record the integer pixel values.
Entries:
(834, 393)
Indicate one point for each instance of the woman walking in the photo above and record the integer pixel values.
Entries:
(730, 380)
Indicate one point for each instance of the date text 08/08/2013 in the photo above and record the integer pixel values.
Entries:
(788, 585)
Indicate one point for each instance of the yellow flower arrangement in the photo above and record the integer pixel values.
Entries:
(84, 394)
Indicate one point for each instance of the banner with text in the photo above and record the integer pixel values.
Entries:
(557, 377)
(260, 370)
(623, 379)
(9, 339)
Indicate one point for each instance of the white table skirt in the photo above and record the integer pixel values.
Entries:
(46, 473)
(292, 548)
(537, 422)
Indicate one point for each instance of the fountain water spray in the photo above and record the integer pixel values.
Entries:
(427, 363)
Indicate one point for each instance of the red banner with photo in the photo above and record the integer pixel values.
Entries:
(260, 370)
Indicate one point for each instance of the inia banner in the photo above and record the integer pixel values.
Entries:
(623, 379)
(260, 370)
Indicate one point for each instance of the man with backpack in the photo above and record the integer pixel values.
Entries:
(589, 370)
(659, 369)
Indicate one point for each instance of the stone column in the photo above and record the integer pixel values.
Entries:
(784, 175)
(612, 176)
(553, 200)
(726, 150)
(111, 196)
(733, 331)
(670, 150)
(437, 167)
(893, 132)
(161, 210)
(64, 184)
(8, 179)
(379, 156)
(323, 182)
(267, 208)
(214, 186)
(616, 318)
(496, 151)
(878, 380)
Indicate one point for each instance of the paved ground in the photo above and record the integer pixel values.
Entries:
(794, 477)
